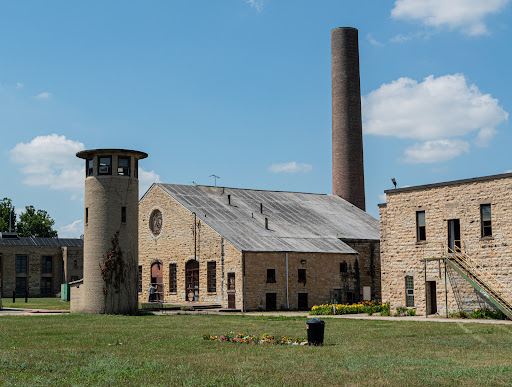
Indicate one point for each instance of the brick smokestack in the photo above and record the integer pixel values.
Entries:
(347, 133)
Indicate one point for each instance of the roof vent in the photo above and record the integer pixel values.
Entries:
(266, 223)
(261, 208)
(9, 235)
(229, 199)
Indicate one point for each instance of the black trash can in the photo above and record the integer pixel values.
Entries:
(315, 328)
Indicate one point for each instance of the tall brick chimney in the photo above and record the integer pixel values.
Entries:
(347, 133)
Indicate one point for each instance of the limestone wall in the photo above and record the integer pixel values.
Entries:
(175, 244)
(323, 277)
(401, 253)
(34, 276)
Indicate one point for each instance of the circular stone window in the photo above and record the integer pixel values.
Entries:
(155, 222)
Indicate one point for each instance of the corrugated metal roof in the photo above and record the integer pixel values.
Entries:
(28, 241)
(298, 222)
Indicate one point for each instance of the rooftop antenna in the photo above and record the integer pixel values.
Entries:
(393, 181)
(215, 177)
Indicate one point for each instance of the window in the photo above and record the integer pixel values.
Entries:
(123, 214)
(271, 276)
(140, 279)
(173, 287)
(105, 165)
(123, 166)
(409, 291)
(21, 264)
(420, 226)
(231, 281)
(212, 277)
(302, 275)
(89, 170)
(86, 215)
(485, 215)
(136, 169)
(46, 264)
(343, 267)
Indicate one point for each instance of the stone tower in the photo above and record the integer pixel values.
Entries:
(110, 278)
(347, 135)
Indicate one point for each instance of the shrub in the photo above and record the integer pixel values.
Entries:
(411, 312)
(369, 307)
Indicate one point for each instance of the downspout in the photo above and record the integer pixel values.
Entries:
(195, 243)
(243, 282)
(287, 286)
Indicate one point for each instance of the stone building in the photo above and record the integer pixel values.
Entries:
(109, 283)
(38, 265)
(250, 249)
(447, 246)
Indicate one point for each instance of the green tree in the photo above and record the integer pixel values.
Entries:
(5, 203)
(34, 223)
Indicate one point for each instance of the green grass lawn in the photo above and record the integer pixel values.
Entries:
(168, 350)
(53, 303)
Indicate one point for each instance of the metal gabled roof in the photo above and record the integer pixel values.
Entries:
(30, 241)
(298, 222)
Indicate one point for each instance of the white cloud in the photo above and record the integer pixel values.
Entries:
(146, 178)
(509, 171)
(382, 198)
(466, 15)
(50, 161)
(440, 107)
(73, 230)
(43, 95)
(485, 136)
(373, 41)
(291, 167)
(256, 4)
(19, 85)
(436, 151)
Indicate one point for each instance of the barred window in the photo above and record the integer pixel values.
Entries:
(46, 264)
(485, 215)
(231, 281)
(173, 287)
(105, 165)
(302, 275)
(409, 291)
(89, 167)
(271, 276)
(212, 277)
(421, 231)
(21, 264)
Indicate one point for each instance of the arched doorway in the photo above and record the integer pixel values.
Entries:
(192, 280)
(157, 279)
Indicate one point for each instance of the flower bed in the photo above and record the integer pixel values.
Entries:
(248, 339)
(369, 307)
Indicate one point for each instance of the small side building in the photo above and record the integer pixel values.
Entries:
(447, 246)
(251, 249)
(38, 266)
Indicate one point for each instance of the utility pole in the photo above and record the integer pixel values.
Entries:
(215, 177)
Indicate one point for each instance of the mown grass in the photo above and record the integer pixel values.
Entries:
(168, 350)
(53, 303)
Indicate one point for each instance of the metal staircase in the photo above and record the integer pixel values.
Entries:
(483, 281)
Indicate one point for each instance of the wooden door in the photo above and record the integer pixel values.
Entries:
(231, 301)
(192, 280)
(271, 301)
(157, 279)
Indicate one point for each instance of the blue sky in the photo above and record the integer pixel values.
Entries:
(242, 89)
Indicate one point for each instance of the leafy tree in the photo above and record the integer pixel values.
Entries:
(34, 223)
(5, 203)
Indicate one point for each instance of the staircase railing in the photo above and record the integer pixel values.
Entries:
(472, 271)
